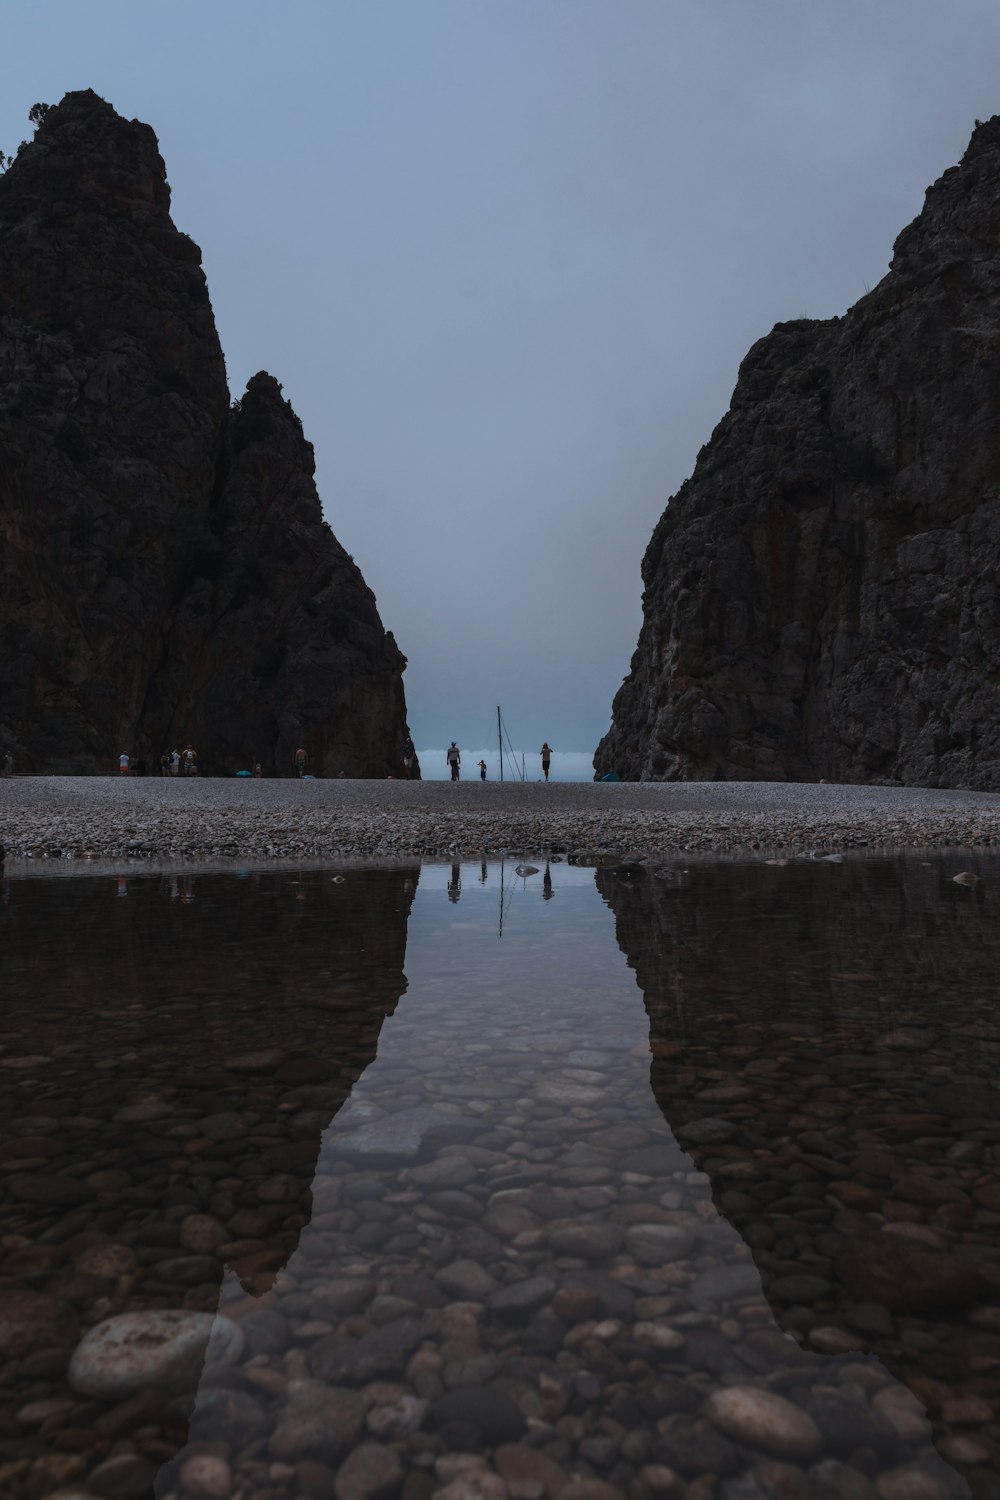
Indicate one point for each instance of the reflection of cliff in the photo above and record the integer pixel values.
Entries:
(824, 1042)
(158, 1129)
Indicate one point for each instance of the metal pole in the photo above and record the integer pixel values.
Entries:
(500, 741)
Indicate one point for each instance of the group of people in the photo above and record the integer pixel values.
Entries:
(185, 763)
(172, 763)
(453, 758)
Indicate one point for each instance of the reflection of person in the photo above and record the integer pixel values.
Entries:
(455, 884)
(546, 754)
(482, 770)
(482, 877)
(547, 883)
(454, 759)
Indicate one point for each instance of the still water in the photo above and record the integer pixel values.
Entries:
(592, 1184)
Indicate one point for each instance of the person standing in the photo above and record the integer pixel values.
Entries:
(165, 763)
(301, 759)
(8, 763)
(408, 755)
(123, 764)
(482, 770)
(454, 759)
(258, 769)
(546, 754)
(175, 762)
(190, 759)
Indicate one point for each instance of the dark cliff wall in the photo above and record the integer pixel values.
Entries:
(820, 597)
(165, 572)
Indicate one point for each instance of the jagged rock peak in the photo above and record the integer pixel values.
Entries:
(84, 137)
(166, 574)
(819, 596)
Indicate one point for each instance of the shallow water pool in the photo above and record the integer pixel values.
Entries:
(574, 1182)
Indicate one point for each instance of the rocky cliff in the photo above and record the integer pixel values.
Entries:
(820, 597)
(166, 575)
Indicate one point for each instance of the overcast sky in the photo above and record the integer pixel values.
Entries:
(506, 256)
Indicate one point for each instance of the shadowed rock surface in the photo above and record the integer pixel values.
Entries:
(156, 1135)
(819, 597)
(824, 1045)
(166, 575)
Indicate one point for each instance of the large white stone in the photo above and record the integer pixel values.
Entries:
(161, 1348)
(749, 1414)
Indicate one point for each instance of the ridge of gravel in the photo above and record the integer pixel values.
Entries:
(109, 817)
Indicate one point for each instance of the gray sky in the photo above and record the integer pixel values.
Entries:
(505, 257)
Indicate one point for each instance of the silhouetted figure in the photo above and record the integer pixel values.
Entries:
(482, 875)
(547, 883)
(546, 754)
(454, 759)
(189, 760)
(301, 761)
(482, 770)
(258, 770)
(455, 883)
(165, 763)
(408, 756)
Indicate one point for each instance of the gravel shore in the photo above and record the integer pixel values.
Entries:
(87, 817)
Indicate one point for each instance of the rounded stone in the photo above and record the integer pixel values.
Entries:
(749, 1414)
(206, 1477)
(163, 1348)
(370, 1471)
(203, 1234)
(655, 1244)
(30, 1319)
(108, 1261)
(471, 1416)
(587, 1239)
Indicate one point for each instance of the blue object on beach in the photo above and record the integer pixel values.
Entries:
(611, 776)
(243, 773)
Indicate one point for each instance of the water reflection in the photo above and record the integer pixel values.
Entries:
(824, 1043)
(492, 1272)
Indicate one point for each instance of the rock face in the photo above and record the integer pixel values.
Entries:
(166, 575)
(820, 595)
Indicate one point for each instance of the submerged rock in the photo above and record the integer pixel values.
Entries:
(163, 1348)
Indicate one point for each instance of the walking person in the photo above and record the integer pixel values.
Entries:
(454, 759)
(301, 759)
(546, 754)
(482, 770)
(123, 762)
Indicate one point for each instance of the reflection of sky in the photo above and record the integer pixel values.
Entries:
(506, 260)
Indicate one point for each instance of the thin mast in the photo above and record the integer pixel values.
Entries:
(500, 741)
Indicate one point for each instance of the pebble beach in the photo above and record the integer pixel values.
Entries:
(160, 818)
